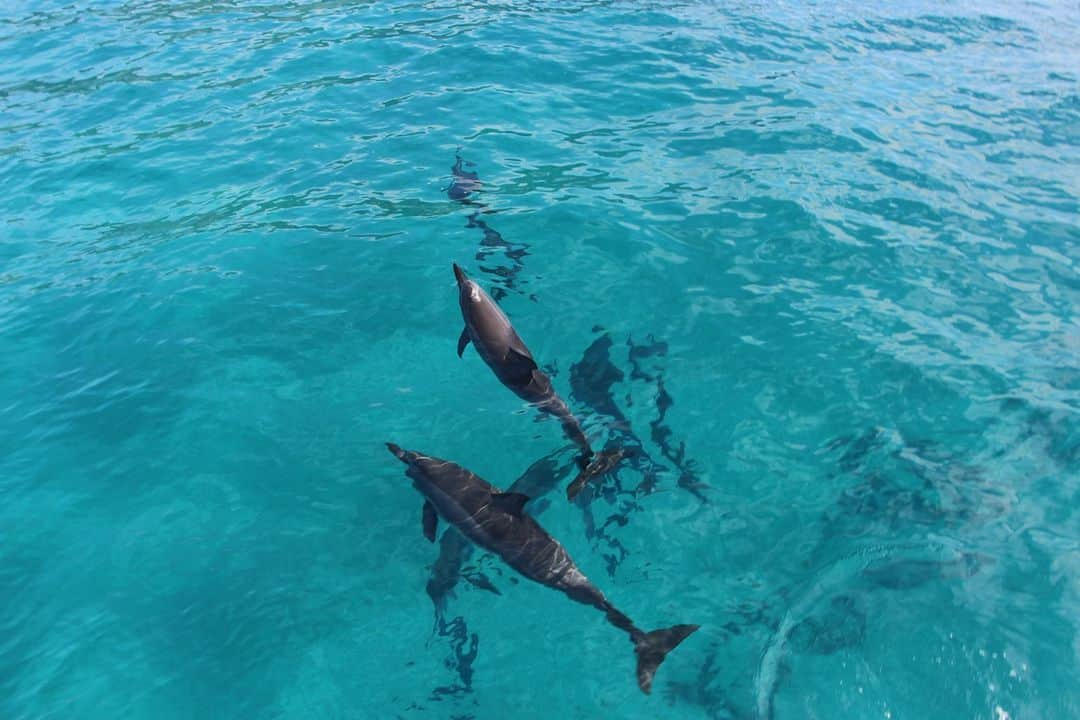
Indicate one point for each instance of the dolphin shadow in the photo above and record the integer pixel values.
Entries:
(879, 536)
(463, 184)
(592, 382)
(660, 433)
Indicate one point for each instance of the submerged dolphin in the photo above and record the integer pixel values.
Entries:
(495, 339)
(464, 182)
(497, 522)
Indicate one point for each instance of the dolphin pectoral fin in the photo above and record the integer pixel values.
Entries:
(431, 521)
(462, 341)
(511, 502)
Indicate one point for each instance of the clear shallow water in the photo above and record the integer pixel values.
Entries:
(820, 263)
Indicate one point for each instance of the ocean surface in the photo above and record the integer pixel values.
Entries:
(818, 265)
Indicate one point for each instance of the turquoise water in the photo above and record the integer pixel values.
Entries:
(820, 263)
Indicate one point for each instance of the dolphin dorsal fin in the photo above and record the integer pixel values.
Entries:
(522, 364)
(512, 503)
(517, 345)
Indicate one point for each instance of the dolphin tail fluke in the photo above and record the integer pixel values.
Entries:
(651, 649)
(596, 466)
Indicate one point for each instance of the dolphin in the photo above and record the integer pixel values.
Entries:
(495, 339)
(537, 481)
(497, 522)
(464, 182)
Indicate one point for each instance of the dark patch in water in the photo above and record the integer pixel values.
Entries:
(908, 483)
(638, 353)
(445, 573)
(841, 625)
(661, 434)
(464, 648)
(703, 691)
(514, 253)
(908, 574)
(592, 380)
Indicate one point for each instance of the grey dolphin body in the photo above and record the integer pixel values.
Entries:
(495, 339)
(491, 333)
(496, 521)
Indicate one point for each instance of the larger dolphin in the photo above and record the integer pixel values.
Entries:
(495, 339)
(497, 522)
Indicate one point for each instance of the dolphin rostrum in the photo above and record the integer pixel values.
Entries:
(495, 339)
(497, 522)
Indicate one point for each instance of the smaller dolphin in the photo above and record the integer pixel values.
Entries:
(497, 522)
(464, 182)
(495, 339)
